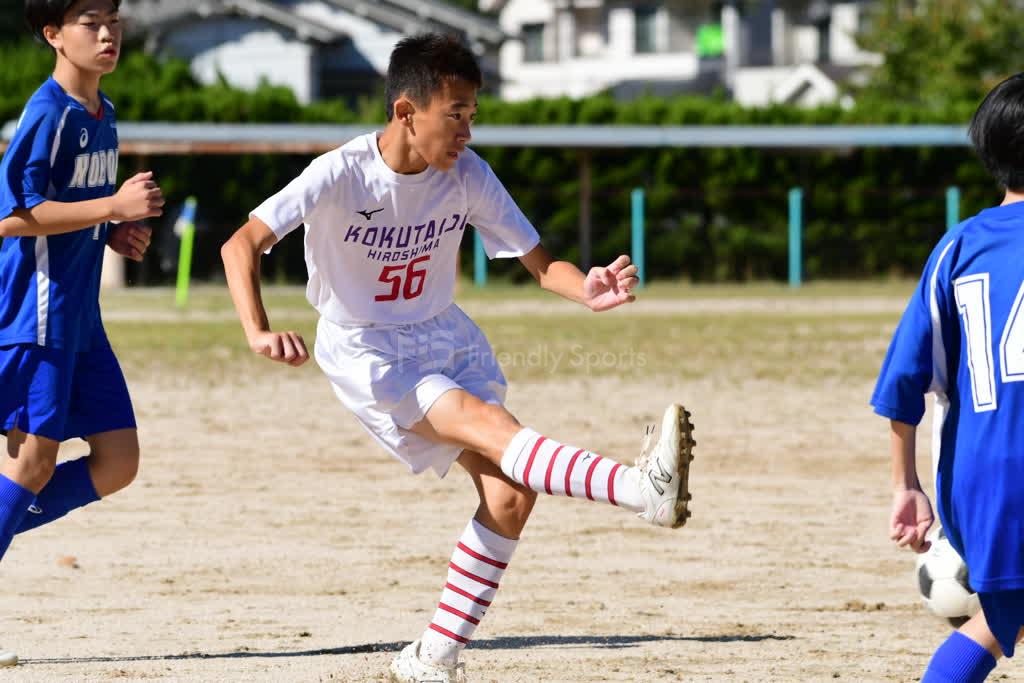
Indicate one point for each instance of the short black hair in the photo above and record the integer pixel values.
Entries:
(997, 132)
(421, 65)
(42, 13)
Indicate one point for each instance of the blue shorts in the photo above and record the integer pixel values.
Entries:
(61, 395)
(1004, 612)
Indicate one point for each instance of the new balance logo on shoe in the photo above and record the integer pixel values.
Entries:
(368, 215)
(662, 476)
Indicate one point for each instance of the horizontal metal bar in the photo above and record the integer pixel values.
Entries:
(210, 138)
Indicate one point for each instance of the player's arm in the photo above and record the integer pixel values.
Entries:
(911, 509)
(139, 197)
(599, 290)
(241, 255)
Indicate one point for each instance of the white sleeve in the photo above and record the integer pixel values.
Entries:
(291, 207)
(505, 231)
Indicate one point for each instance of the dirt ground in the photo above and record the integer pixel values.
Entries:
(268, 539)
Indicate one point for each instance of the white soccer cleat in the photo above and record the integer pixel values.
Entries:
(8, 658)
(407, 667)
(665, 469)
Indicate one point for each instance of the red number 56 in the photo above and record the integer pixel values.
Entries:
(414, 280)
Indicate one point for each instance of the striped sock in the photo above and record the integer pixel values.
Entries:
(547, 466)
(474, 572)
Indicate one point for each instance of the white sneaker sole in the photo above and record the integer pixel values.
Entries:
(686, 444)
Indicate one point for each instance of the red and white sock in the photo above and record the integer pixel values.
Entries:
(474, 573)
(547, 466)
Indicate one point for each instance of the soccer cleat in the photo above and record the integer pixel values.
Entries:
(665, 469)
(407, 667)
(8, 658)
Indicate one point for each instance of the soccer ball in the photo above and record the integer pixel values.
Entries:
(943, 581)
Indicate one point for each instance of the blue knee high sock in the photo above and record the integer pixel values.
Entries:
(69, 488)
(959, 660)
(14, 502)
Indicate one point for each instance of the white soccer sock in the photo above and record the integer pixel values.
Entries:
(547, 466)
(474, 572)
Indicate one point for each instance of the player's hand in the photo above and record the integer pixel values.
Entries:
(283, 347)
(139, 197)
(911, 519)
(606, 288)
(130, 240)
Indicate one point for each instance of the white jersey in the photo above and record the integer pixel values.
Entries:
(381, 247)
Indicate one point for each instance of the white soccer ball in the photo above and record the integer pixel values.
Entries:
(943, 580)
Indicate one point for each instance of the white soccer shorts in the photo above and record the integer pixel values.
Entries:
(390, 375)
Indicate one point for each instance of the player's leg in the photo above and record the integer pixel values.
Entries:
(28, 465)
(111, 465)
(100, 411)
(970, 654)
(474, 573)
(657, 488)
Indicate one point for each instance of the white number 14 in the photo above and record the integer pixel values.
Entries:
(972, 300)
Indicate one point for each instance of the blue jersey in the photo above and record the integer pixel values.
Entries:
(962, 337)
(49, 286)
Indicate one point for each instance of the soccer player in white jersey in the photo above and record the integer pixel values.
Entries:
(384, 216)
(59, 378)
(962, 337)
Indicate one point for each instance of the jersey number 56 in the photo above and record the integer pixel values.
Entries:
(405, 280)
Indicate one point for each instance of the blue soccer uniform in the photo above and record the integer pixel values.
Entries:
(962, 337)
(59, 376)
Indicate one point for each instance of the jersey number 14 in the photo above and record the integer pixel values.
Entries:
(972, 300)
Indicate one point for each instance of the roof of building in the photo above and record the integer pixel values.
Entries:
(404, 16)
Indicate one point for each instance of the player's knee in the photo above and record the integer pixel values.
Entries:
(515, 505)
(125, 470)
(33, 471)
(112, 472)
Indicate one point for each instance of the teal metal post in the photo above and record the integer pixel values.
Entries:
(638, 233)
(796, 228)
(952, 207)
(479, 261)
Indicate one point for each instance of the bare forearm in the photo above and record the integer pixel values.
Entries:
(241, 266)
(564, 279)
(903, 438)
(56, 218)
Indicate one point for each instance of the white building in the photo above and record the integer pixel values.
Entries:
(318, 48)
(786, 51)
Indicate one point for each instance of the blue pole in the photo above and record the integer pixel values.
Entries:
(796, 225)
(479, 261)
(638, 233)
(952, 207)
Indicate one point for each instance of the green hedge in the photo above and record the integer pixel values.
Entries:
(712, 214)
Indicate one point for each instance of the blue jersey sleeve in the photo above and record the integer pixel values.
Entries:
(26, 166)
(910, 367)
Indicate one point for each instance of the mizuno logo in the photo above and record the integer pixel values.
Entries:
(368, 215)
(662, 476)
(35, 509)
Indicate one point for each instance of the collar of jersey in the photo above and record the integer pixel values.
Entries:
(387, 172)
(1009, 210)
(78, 105)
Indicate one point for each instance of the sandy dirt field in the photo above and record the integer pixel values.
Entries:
(268, 539)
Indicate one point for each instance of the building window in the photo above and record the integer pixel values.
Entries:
(533, 42)
(645, 29)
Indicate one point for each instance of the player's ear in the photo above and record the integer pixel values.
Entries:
(404, 109)
(51, 34)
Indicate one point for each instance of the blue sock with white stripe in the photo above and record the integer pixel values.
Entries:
(14, 502)
(69, 488)
(959, 660)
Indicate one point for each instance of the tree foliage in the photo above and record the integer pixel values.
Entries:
(941, 54)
